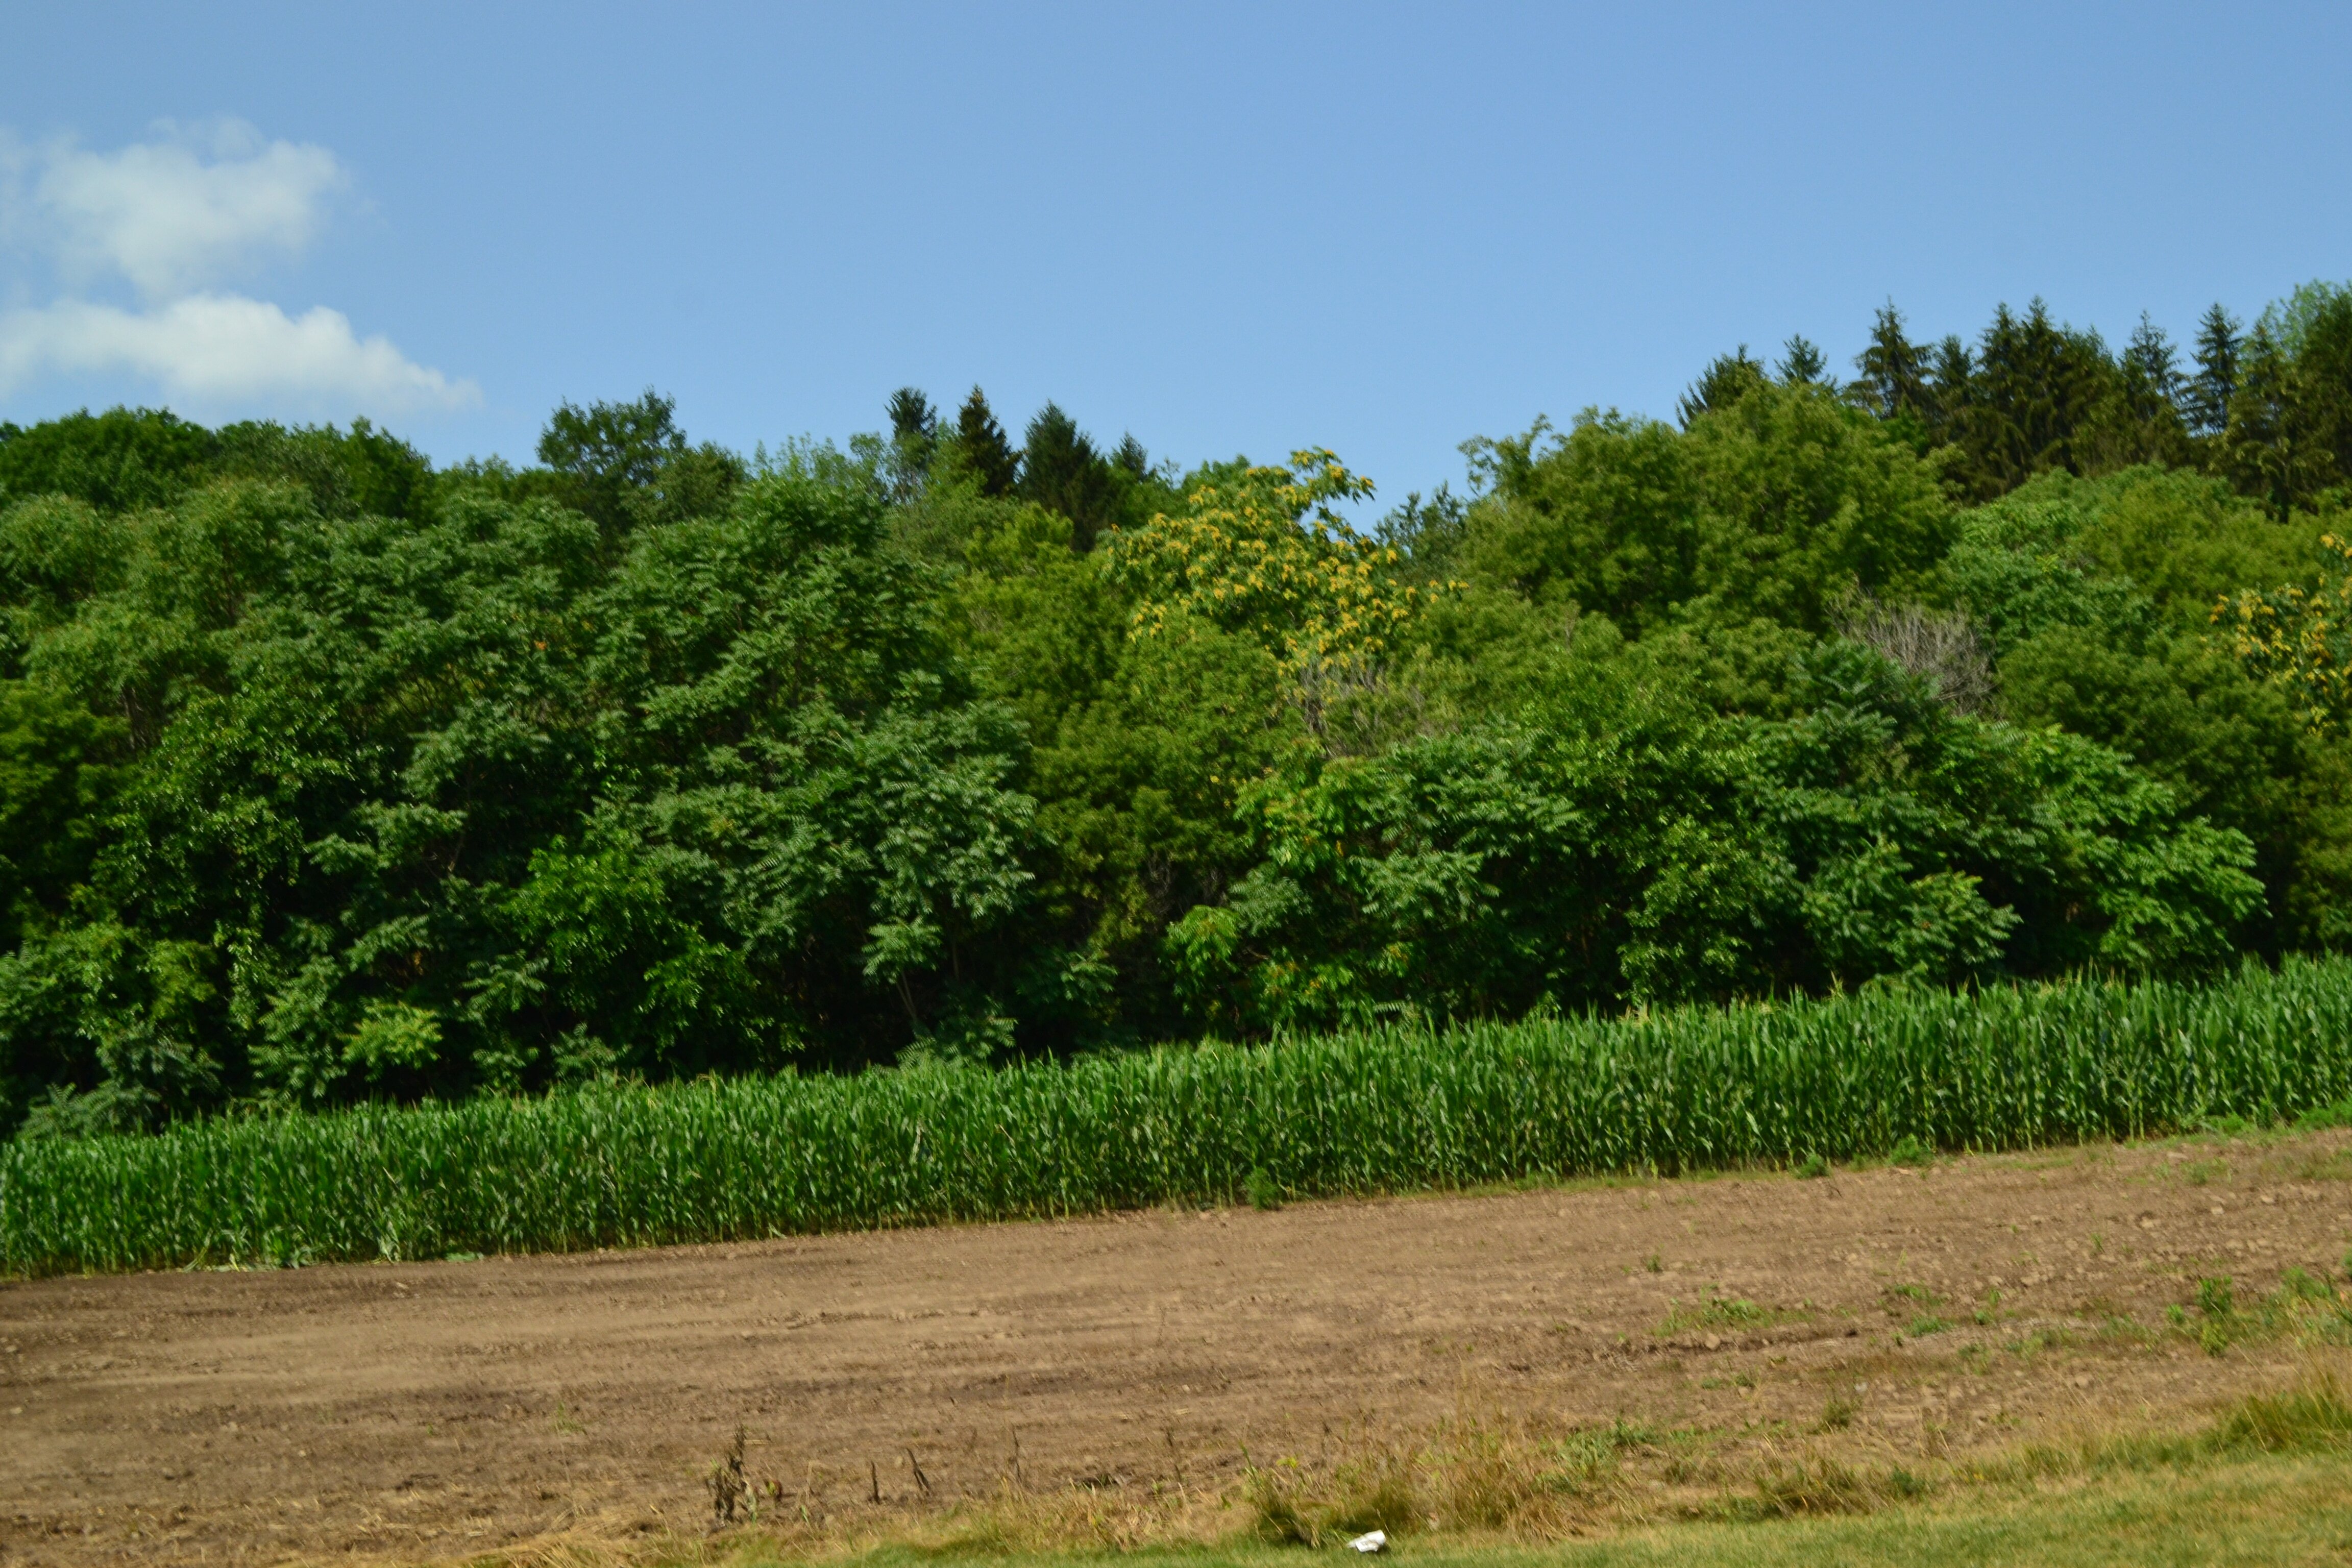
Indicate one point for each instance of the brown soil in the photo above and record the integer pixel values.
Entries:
(416, 1410)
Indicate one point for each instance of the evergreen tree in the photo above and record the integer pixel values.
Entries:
(2141, 422)
(1724, 382)
(2207, 397)
(1951, 389)
(2037, 385)
(911, 417)
(2151, 368)
(987, 455)
(2322, 346)
(1803, 364)
(914, 441)
(1893, 369)
(1061, 471)
(2259, 447)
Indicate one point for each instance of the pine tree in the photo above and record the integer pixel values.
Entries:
(2258, 441)
(2323, 373)
(1893, 368)
(1952, 387)
(2151, 368)
(1803, 364)
(1061, 471)
(911, 416)
(1952, 414)
(2207, 398)
(914, 441)
(2142, 423)
(988, 457)
(2038, 385)
(1724, 382)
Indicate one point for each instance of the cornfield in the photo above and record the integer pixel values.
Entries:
(1379, 1111)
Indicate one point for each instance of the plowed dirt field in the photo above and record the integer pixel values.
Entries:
(415, 1411)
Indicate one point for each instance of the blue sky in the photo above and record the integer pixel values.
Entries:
(1245, 229)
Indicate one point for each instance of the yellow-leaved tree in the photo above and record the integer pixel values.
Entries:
(1263, 553)
(2301, 641)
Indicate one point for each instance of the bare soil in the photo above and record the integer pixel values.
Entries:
(414, 1411)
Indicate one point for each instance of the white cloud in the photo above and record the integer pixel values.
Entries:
(225, 350)
(174, 217)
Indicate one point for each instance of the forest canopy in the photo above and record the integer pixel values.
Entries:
(327, 774)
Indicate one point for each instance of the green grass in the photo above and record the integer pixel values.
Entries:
(2260, 1514)
(2266, 1484)
(1843, 1078)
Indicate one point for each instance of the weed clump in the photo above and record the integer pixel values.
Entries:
(2312, 1418)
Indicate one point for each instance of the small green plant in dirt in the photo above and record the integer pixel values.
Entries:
(1811, 1168)
(1839, 1410)
(2297, 1285)
(2122, 1328)
(2026, 1347)
(730, 1493)
(1262, 1190)
(1911, 1151)
(2307, 1307)
(2201, 1173)
(1989, 1313)
(1919, 1305)
(2219, 1322)
(1726, 1312)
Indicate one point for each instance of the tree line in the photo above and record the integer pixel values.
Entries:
(329, 774)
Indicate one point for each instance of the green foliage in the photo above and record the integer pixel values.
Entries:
(130, 459)
(2098, 597)
(328, 777)
(1137, 749)
(627, 465)
(984, 452)
(56, 779)
(310, 807)
(1611, 851)
(1383, 1111)
(1776, 505)
(1061, 471)
(120, 460)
